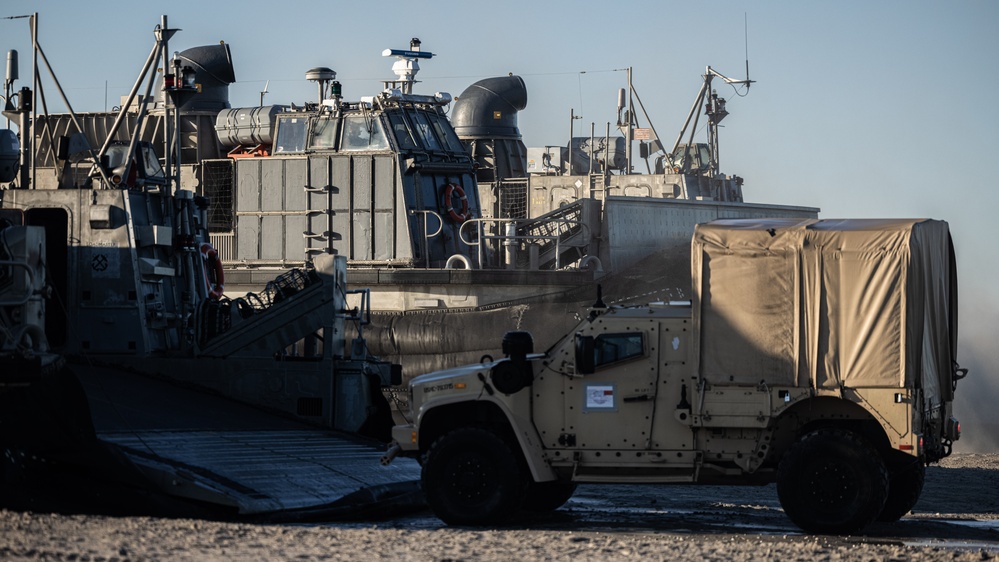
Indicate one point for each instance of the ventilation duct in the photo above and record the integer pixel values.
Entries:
(213, 69)
(485, 118)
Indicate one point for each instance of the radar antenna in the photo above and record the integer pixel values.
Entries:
(406, 67)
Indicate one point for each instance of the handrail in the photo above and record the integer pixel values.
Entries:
(506, 237)
(426, 235)
(362, 313)
(481, 234)
(566, 229)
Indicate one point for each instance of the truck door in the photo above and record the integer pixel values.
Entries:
(631, 406)
(612, 408)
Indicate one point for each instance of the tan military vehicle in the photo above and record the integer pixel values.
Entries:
(819, 355)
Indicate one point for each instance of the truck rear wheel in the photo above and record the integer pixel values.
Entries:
(832, 481)
(905, 483)
(472, 477)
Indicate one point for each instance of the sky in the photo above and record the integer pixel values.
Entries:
(863, 109)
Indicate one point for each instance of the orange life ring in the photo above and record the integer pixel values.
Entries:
(211, 257)
(449, 191)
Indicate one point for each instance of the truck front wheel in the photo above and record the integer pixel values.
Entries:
(548, 496)
(832, 481)
(472, 477)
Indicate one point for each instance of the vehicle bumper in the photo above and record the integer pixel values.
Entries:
(405, 437)
(952, 429)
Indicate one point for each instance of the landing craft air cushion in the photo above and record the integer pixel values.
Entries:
(112, 272)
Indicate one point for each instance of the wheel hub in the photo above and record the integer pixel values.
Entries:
(832, 485)
(469, 479)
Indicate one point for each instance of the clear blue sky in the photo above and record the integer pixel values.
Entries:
(864, 109)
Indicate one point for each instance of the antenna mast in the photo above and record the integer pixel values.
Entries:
(745, 32)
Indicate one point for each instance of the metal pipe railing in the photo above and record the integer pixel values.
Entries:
(426, 231)
(503, 239)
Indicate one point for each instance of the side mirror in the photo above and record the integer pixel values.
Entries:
(584, 354)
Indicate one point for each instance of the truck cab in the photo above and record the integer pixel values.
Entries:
(787, 366)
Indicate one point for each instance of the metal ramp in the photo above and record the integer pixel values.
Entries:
(260, 472)
(212, 451)
(290, 308)
(561, 236)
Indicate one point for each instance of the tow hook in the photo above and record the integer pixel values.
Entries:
(392, 453)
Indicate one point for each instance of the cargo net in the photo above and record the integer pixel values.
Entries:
(217, 179)
(512, 195)
(216, 316)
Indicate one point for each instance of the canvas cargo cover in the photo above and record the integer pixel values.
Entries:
(826, 303)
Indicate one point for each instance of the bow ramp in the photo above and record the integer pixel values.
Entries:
(209, 450)
(279, 472)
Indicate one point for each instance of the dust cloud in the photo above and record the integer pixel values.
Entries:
(977, 396)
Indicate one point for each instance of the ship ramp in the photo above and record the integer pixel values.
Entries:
(211, 451)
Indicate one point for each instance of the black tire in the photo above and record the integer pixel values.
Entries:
(905, 484)
(548, 496)
(471, 476)
(832, 481)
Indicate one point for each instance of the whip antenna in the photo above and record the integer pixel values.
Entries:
(746, 35)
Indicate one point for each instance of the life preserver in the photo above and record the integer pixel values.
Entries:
(211, 257)
(449, 191)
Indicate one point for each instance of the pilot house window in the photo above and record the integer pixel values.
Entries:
(424, 131)
(291, 134)
(363, 133)
(403, 137)
(323, 134)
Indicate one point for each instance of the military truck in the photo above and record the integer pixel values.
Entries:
(817, 354)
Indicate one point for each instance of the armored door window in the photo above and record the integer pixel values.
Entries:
(323, 134)
(291, 134)
(614, 348)
(363, 132)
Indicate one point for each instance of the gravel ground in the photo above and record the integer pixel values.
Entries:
(84, 538)
(956, 519)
